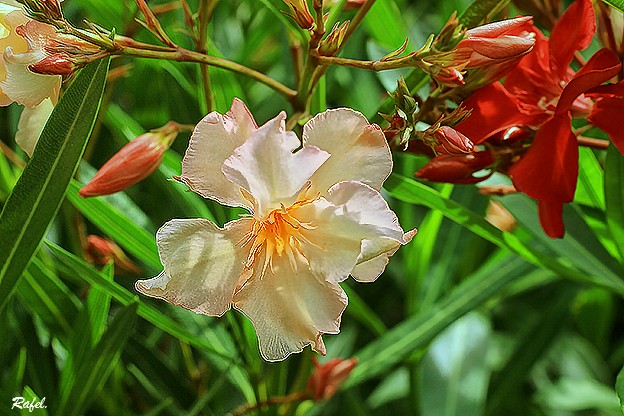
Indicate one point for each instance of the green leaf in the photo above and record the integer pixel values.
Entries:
(619, 388)
(481, 11)
(411, 191)
(39, 404)
(38, 194)
(41, 291)
(618, 4)
(134, 239)
(454, 372)
(417, 331)
(579, 247)
(614, 195)
(384, 24)
(89, 377)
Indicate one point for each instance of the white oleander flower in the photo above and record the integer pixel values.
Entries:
(316, 217)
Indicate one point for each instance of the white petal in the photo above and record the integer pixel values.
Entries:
(359, 150)
(290, 310)
(31, 123)
(267, 167)
(353, 226)
(202, 265)
(214, 140)
(376, 255)
(23, 86)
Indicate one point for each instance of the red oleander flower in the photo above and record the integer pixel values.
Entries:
(328, 377)
(543, 92)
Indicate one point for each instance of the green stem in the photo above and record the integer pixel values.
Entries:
(205, 13)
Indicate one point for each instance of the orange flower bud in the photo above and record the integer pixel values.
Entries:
(353, 4)
(449, 76)
(102, 250)
(452, 142)
(456, 168)
(133, 163)
(301, 13)
(327, 378)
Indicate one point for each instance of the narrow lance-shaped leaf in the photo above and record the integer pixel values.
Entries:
(38, 194)
(614, 195)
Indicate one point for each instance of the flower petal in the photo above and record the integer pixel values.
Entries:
(573, 32)
(548, 171)
(603, 66)
(607, 115)
(290, 309)
(266, 166)
(23, 86)
(214, 139)
(352, 142)
(202, 265)
(31, 123)
(551, 218)
(352, 213)
(493, 109)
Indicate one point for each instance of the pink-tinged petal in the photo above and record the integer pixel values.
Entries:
(359, 150)
(573, 32)
(514, 26)
(603, 66)
(267, 168)
(352, 214)
(548, 171)
(493, 109)
(202, 263)
(551, 218)
(290, 309)
(23, 86)
(214, 139)
(607, 115)
(614, 90)
(31, 123)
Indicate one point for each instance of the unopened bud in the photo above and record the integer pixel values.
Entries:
(57, 64)
(452, 142)
(102, 250)
(457, 168)
(327, 378)
(133, 163)
(331, 44)
(301, 13)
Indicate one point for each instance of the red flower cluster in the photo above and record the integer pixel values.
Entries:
(543, 93)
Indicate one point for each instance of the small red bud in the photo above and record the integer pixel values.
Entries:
(456, 168)
(133, 163)
(452, 142)
(449, 76)
(102, 250)
(327, 378)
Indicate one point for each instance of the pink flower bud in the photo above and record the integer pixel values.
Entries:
(353, 4)
(456, 168)
(102, 250)
(327, 378)
(452, 142)
(495, 43)
(301, 13)
(57, 64)
(133, 163)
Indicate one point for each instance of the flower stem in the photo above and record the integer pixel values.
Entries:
(593, 143)
(246, 408)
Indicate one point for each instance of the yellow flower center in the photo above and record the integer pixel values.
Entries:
(280, 233)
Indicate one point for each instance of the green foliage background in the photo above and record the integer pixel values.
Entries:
(467, 320)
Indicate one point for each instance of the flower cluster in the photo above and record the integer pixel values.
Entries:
(312, 223)
(540, 95)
